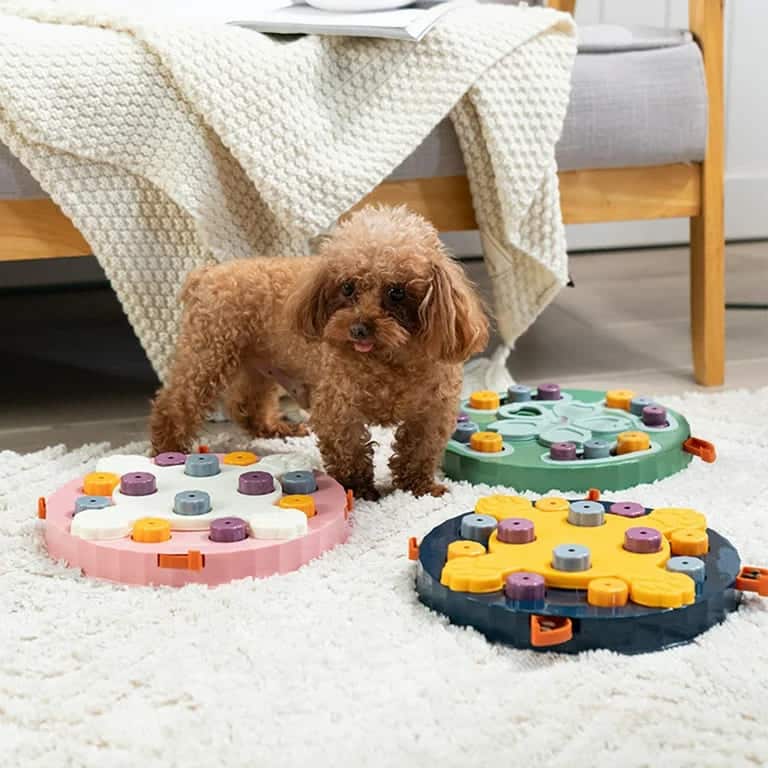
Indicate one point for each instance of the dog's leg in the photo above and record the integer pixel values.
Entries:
(419, 444)
(253, 402)
(346, 447)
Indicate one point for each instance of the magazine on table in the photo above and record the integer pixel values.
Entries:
(293, 17)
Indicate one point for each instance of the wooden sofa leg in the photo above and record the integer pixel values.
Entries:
(708, 297)
(707, 229)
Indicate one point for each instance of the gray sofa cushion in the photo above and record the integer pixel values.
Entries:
(638, 98)
(636, 107)
(15, 181)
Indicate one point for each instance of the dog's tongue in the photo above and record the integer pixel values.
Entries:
(363, 346)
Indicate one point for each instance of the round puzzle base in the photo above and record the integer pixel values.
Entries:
(537, 434)
(191, 556)
(564, 620)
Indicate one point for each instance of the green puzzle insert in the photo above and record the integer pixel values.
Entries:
(546, 439)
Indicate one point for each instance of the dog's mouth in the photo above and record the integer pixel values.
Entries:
(363, 346)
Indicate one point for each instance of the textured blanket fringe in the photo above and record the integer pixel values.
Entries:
(488, 372)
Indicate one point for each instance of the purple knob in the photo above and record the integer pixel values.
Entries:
(524, 586)
(627, 509)
(637, 404)
(138, 484)
(655, 416)
(548, 392)
(515, 530)
(562, 451)
(228, 529)
(170, 459)
(461, 417)
(256, 483)
(642, 540)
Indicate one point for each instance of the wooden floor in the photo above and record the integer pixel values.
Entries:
(74, 373)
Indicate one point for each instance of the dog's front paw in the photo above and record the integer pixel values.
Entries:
(279, 429)
(433, 489)
(425, 487)
(366, 492)
(294, 429)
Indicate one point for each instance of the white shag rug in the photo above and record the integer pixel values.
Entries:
(340, 665)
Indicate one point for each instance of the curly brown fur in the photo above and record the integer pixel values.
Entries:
(377, 326)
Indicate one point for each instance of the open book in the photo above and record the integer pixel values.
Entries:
(296, 18)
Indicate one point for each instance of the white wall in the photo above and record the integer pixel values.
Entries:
(746, 81)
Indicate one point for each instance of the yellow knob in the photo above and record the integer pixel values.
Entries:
(100, 483)
(486, 442)
(619, 398)
(484, 400)
(607, 593)
(303, 503)
(465, 549)
(689, 541)
(502, 507)
(150, 530)
(553, 504)
(629, 442)
(240, 458)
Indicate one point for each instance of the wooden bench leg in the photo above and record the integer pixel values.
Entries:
(707, 229)
(708, 296)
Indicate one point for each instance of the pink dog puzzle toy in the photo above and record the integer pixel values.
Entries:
(200, 518)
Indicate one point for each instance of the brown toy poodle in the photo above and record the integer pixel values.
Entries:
(373, 330)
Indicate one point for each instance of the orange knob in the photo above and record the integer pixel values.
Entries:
(305, 504)
(100, 483)
(484, 400)
(689, 541)
(240, 458)
(486, 442)
(552, 504)
(151, 530)
(462, 548)
(607, 593)
(629, 442)
(619, 398)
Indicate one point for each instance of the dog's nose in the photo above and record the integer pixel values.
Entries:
(359, 331)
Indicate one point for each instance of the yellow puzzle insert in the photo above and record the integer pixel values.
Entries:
(579, 545)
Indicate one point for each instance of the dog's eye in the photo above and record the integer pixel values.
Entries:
(347, 288)
(396, 293)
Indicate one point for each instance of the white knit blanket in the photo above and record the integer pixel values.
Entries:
(171, 139)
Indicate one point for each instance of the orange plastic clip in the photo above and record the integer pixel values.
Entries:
(413, 549)
(192, 561)
(42, 510)
(593, 494)
(752, 579)
(550, 630)
(701, 448)
(203, 449)
(350, 505)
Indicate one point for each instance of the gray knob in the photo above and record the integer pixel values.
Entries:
(571, 557)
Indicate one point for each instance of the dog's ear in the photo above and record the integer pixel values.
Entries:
(453, 323)
(308, 307)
